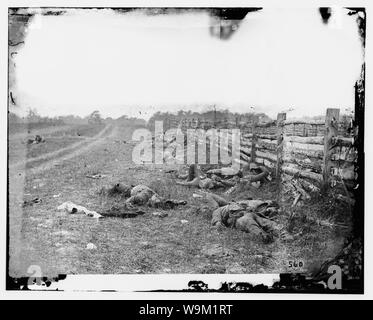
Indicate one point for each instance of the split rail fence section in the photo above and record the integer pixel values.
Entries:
(320, 153)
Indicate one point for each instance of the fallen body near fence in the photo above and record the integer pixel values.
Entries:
(231, 178)
(141, 195)
(194, 178)
(206, 183)
(137, 195)
(252, 216)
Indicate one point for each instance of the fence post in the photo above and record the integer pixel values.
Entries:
(254, 138)
(281, 117)
(331, 130)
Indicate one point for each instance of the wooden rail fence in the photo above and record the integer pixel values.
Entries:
(320, 152)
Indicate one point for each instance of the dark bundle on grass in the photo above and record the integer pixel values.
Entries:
(37, 139)
(117, 190)
(167, 204)
(122, 211)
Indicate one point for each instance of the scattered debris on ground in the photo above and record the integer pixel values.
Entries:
(160, 214)
(91, 246)
(27, 203)
(122, 211)
(96, 176)
(120, 141)
(173, 171)
(75, 209)
(300, 190)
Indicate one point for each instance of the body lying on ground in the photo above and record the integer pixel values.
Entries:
(252, 216)
(143, 195)
(248, 173)
(194, 178)
(36, 140)
(137, 195)
(232, 177)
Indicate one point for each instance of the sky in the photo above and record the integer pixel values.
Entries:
(137, 64)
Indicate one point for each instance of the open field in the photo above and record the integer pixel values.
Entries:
(41, 235)
(19, 129)
(59, 141)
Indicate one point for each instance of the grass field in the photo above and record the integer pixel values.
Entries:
(30, 128)
(57, 137)
(41, 235)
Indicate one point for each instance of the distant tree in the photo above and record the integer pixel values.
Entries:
(95, 117)
(33, 116)
(211, 114)
(13, 118)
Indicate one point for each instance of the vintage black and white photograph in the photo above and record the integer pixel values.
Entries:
(221, 148)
